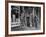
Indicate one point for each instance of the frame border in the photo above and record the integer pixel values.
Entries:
(6, 18)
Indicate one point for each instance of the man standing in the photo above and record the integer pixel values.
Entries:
(36, 21)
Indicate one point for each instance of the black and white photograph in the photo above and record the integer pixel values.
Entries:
(25, 18)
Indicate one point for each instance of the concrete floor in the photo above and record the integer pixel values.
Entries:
(23, 28)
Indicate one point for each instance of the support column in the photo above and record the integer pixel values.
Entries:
(13, 17)
(33, 18)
